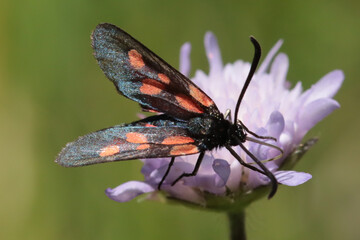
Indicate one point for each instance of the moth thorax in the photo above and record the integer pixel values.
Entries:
(212, 131)
(201, 126)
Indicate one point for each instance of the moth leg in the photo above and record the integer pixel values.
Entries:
(193, 173)
(227, 115)
(167, 172)
(235, 155)
(269, 174)
(264, 171)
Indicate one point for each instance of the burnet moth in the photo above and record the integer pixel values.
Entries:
(188, 122)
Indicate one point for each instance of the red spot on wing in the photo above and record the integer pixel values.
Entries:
(143, 146)
(164, 78)
(149, 125)
(184, 150)
(188, 103)
(147, 109)
(200, 96)
(151, 87)
(134, 137)
(173, 140)
(109, 150)
(135, 59)
(152, 111)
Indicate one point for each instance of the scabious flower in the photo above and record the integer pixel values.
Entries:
(269, 108)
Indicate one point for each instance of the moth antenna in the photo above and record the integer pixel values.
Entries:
(254, 64)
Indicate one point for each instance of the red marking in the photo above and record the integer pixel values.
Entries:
(135, 59)
(184, 150)
(134, 137)
(153, 111)
(187, 103)
(164, 78)
(147, 109)
(109, 150)
(177, 140)
(143, 146)
(151, 87)
(149, 125)
(200, 96)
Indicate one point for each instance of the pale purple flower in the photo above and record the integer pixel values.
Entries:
(270, 108)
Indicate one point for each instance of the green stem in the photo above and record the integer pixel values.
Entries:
(237, 225)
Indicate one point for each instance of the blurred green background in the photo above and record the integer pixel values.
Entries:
(52, 90)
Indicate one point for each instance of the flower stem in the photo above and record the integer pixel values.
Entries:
(237, 225)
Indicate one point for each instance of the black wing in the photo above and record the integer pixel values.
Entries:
(142, 76)
(153, 137)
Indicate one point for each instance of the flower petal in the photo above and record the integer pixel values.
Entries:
(292, 178)
(289, 178)
(276, 124)
(279, 69)
(213, 53)
(222, 169)
(127, 191)
(327, 86)
(185, 62)
(314, 112)
(184, 192)
(207, 183)
(265, 64)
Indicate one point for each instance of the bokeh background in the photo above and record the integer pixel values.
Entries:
(52, 90)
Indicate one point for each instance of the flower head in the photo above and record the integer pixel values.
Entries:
(270, 108)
